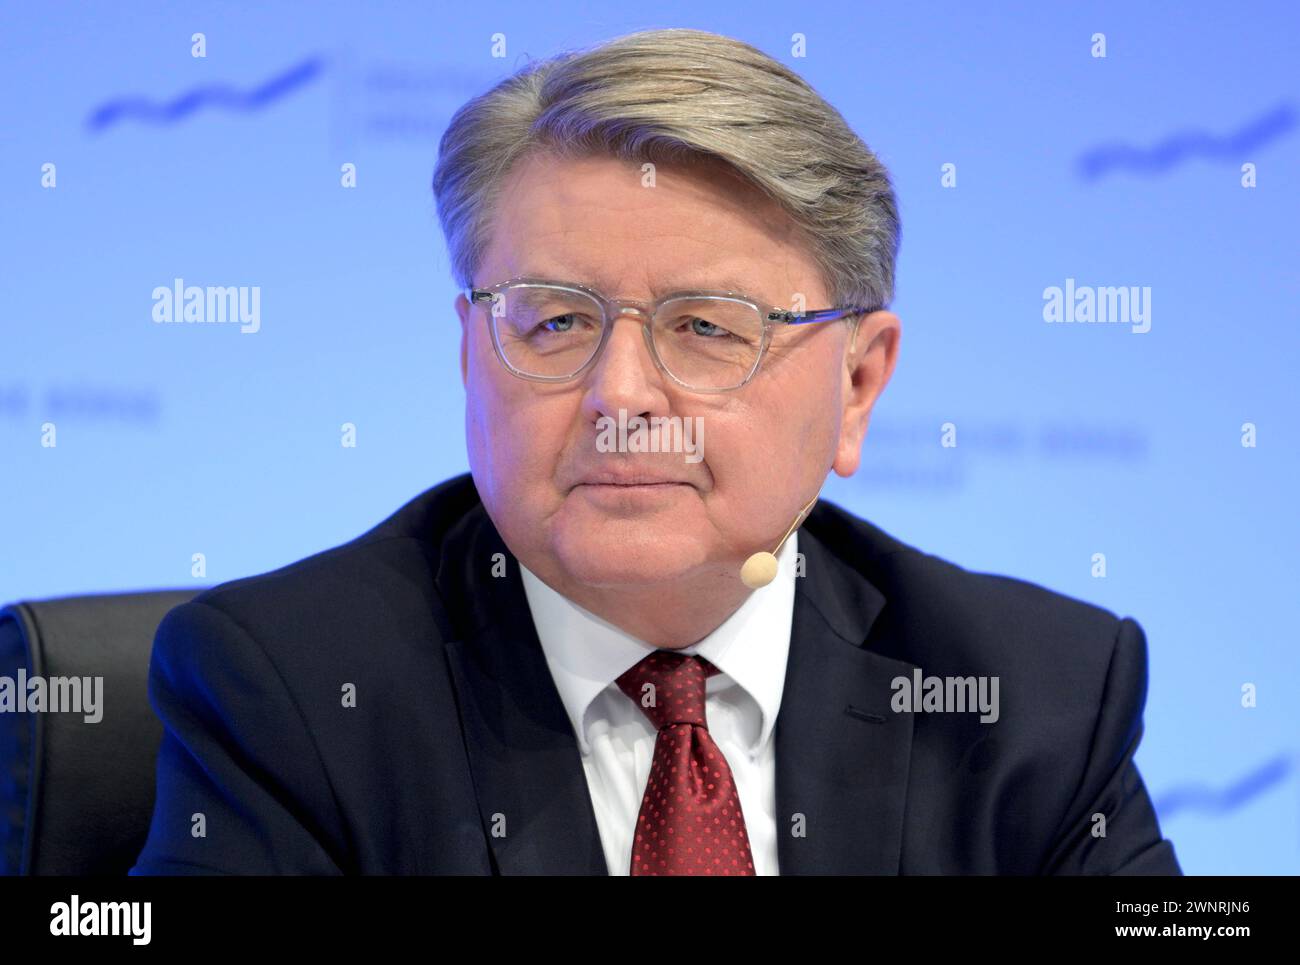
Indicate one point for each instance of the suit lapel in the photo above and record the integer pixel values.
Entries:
(527, 768)
(842, 754)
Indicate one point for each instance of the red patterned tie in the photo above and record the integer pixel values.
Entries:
(690, 821)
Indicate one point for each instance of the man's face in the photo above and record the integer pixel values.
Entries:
(767, 447)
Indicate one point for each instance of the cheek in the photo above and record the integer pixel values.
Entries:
(487, 396)
(514, 432)
(769, 457)
(770, 448)
(489, 429)
(819, 417)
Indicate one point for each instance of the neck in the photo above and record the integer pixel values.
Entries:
(668, 615)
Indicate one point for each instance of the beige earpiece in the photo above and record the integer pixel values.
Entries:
(761, 568)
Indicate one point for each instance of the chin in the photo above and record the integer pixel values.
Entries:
(621, 552)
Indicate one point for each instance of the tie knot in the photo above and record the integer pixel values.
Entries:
(669, 687)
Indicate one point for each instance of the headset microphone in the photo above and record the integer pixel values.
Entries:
(760, 569)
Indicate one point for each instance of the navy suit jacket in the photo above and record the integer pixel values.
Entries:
(455, 755)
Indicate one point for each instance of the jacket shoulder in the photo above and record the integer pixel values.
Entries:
(1071, 682)
(939, 593)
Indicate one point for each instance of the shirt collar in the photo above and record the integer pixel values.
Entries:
(586, 653)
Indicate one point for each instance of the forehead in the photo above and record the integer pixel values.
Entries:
(611, 225)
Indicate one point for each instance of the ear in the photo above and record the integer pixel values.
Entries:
(869, 362)
(463, 310)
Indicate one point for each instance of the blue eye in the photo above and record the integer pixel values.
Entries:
(710, 330)
(559, 320)
(566, 323)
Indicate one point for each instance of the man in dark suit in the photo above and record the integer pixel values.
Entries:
(609, 649)
(456, 730)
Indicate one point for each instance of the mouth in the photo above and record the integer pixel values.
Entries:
(631, 487)
(622, 497)
(629, 482)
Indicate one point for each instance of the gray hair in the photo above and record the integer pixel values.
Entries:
(679, 95)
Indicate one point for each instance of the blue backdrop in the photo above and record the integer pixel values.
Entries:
(1169, 164)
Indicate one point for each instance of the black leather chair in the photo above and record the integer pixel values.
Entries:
(77, 796)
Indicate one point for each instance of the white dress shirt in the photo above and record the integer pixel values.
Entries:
(587, 655)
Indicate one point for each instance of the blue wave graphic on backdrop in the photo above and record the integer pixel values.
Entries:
(212, 95)
(1183, 146)
(1201, 797)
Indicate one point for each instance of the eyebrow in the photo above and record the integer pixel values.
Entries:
(691, 283)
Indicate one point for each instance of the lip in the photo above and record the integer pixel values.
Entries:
(624, 498)
(629, 480)
(630, 487)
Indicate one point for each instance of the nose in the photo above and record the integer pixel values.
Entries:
(625, 375)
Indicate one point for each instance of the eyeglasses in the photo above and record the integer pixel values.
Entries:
(705, 341)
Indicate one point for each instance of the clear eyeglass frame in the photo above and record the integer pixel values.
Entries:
(613, 308)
